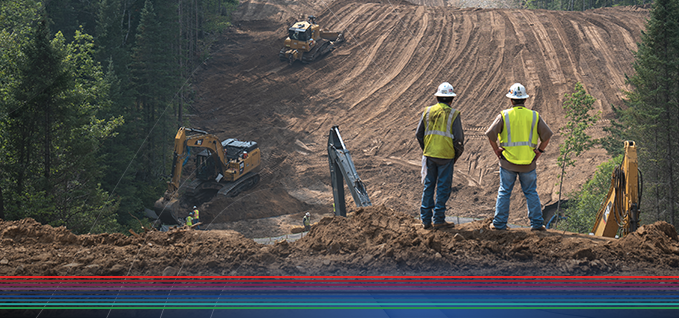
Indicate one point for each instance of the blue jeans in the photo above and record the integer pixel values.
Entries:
(528, 185)
(439, 178)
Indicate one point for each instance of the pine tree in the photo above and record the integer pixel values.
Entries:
(654, 108)
(53, 138)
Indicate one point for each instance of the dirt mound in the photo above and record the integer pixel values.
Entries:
(373, 240)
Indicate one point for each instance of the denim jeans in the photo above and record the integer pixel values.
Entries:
(528, 182)
(440, 180)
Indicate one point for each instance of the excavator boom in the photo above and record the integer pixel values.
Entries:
(342, 168)
(620, 209)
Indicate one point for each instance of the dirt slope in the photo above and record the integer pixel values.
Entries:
(375, 86)
(373, 241)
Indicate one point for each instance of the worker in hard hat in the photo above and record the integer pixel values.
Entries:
(196, 217)
(441, 138)
(523, 137)
(307, 222)
(190, 219)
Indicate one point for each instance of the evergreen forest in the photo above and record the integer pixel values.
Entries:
(90, 90)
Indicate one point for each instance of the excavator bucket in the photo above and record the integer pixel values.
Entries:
(342, 169)
(167, 211)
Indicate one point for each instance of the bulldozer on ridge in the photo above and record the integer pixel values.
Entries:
(307, 42)
(222, 167)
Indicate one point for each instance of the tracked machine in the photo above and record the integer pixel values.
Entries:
(222, 167)
(619, 212)
(306, 42)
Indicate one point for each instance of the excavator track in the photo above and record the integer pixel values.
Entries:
(246, 182)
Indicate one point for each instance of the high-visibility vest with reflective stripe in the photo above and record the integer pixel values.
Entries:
(519, 135)
(438, 131)
(196, 213)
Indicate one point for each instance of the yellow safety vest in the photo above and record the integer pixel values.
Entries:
(189, 220)
(438, 131)
(516, 137)
(196, 213)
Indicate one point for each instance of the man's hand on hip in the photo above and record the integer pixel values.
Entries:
(498, 152)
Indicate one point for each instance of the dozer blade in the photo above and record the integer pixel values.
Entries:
(167, 211)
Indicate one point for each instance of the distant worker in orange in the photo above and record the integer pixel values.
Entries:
(196, 217)
(441, 138)
(519, 129)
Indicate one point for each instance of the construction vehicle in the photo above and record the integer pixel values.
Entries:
(342, 168)
(619, 212)
(224, 168)
(307, 42)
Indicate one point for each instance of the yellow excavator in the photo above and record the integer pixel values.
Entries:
(222, 167)
(307, 42)
(619, 212)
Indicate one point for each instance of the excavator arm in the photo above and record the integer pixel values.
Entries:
(342, 168)
(167, 206)
(620, 210)
(181, 142)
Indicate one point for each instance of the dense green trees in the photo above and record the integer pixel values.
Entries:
(91, 93)
(579, 5)
(653, 111)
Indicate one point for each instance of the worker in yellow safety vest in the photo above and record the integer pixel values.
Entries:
(307, 222)
(519, 131)
(440, 135)
(189, 219)
(196, 217)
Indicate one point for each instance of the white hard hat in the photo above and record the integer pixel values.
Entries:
(307, 214)
(517, 91)
(194, 206)
(445, 90)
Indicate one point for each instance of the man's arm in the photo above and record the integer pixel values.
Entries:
(458, 133)
(545, 134)
(492, 132)
(420, 134)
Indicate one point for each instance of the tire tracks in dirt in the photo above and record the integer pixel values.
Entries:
(376, 84)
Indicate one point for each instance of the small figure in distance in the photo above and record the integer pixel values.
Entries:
(307, 222)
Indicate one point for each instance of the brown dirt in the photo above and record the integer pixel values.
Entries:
(371, 241)
(374, 88)
(375, 85)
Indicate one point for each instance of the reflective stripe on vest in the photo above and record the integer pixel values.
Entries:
(438, 136)
(519, 145)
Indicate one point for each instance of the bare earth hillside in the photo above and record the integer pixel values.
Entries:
(375, 86)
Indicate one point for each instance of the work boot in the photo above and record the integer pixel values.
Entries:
(427, 226)
(492, 227)
(444, 225)
(541, 228)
